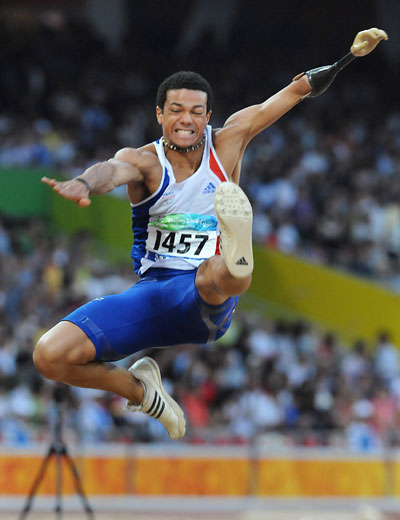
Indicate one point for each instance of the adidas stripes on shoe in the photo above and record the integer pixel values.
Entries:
(156, 401)
(235, 219)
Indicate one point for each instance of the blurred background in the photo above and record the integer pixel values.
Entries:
(311, 360)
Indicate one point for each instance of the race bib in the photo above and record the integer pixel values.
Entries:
(183, 235)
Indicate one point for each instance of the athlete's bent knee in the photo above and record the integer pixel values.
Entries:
(242, 284)
(61, 349)
(47, 359)
(231, 285)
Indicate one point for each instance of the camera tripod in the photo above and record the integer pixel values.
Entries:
(57, 449)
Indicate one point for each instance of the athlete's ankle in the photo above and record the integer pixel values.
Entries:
(140, 392)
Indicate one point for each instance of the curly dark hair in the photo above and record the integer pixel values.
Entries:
(184, 79)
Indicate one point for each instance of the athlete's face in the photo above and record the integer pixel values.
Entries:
(184, 116)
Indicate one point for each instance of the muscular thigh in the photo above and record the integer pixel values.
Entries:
(160, 310)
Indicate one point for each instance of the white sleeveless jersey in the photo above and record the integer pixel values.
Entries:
(176, 227)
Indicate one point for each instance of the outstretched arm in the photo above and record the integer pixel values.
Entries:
(242, 126)
(127, 166)
(364, 43)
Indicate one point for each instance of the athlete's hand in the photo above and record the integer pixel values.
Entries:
(366, 41)
(72, 190)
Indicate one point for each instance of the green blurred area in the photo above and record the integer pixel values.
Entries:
(23, 195)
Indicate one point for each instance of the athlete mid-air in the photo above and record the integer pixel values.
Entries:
(192, 239)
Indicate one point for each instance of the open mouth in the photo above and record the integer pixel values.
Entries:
(184, 133)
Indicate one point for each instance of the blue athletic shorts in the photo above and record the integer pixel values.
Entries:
(163, 308)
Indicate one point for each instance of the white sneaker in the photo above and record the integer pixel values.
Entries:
(156, 402)
(235, 219)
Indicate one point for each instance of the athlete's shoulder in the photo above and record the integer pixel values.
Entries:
(226, 134)
(144, 156)
(130, 151)
(150, 148)
(215, 134)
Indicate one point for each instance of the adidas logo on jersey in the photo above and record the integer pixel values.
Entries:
(242, 261)
(210, 188)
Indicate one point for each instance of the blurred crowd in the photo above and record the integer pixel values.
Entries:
(324, 184)
(281, 381)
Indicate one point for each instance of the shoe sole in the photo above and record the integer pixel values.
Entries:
(235, 219)
(155, 372)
